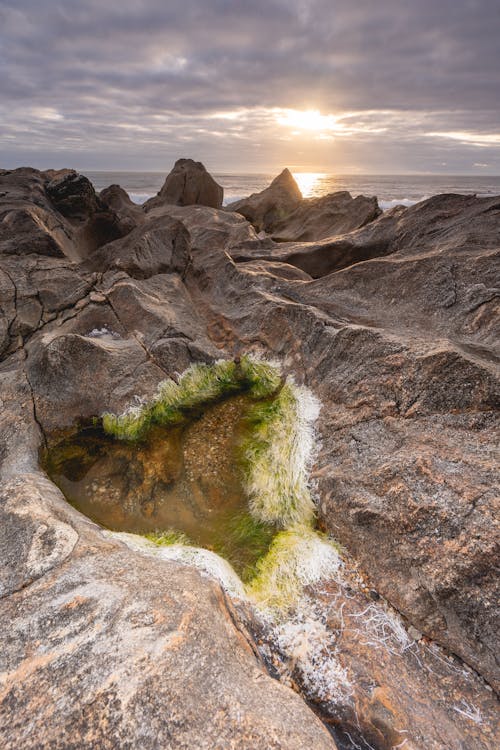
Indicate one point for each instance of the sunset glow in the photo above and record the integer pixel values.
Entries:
(310, 120)
(307, 182)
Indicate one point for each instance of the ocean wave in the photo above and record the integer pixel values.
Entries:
(140, 198)
(385, 205)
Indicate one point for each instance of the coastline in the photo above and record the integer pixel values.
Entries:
(391, 190)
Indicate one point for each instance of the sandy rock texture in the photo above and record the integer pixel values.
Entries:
(188, 184)
(393, 325)
(265, 210)
(316, 218)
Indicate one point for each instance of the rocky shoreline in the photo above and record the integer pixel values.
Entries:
(392, 321)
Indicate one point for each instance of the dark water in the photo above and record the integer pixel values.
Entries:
(186, 479)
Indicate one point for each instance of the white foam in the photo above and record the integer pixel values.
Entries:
(140, 198)
(385, 205)
(99, 333)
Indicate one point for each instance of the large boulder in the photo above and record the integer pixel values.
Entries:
(54, 213)
(330, 215)
(29, 223)
(188, 184)
(265, 210)
(72, 194)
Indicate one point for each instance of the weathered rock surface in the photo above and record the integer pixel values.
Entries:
(408, 377)
(330, 215)
(396, 334)
(160, 247)
(54, 213)
(188, 184)
(441, 225)
(376, 681)
(104, 648)
(265, 210)
(116, 199)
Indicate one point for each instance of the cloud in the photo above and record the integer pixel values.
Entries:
(144, 81)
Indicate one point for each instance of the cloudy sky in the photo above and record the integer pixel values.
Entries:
(390, 86)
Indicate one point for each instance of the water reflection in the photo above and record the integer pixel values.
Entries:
(309, 183)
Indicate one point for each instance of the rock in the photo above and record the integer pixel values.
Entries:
(438, 225)
(210, 228)
(409, 385)
(162, 246)
(28, 222)
(372, 683)
(330, 215)
(73, 195)
(118, 200)
(188, 184)
(396, 335)
(54, 213)
(265, 210)
(134, 652)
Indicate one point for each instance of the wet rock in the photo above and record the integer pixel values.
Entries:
(188, 184)
(265, 210)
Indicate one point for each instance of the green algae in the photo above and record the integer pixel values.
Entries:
(296, 557)
(167, 537)
(276, 476)
(199, 386)
(241, 492)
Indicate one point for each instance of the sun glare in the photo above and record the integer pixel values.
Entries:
(311, 120)
(308, 182)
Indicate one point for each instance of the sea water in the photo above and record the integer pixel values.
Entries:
(390, 190)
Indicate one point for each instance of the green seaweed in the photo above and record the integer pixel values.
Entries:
(273, 457)
(275, 469)
(297, 556)
(244, 541)
(167, 537)
(199, 386)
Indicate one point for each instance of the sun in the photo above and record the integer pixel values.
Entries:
(311, 120)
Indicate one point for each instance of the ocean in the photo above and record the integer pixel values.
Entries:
(390, 190)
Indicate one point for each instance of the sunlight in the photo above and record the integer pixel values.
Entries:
(307, 182)
(311, 120)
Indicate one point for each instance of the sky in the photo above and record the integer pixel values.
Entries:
(345, 86)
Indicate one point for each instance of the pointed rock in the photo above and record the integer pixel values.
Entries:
(268, 208)
(188, 184)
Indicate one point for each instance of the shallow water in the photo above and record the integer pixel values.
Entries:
(185, 478)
